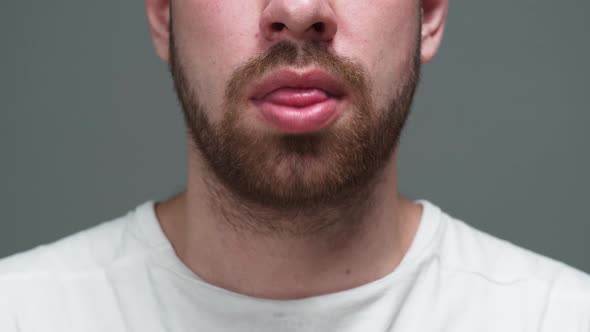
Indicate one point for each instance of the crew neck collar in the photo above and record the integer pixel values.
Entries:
(147, 228)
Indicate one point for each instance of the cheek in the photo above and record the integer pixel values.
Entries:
(382, 34)
(213, 38)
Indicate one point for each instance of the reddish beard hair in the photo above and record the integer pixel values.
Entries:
(296, 174)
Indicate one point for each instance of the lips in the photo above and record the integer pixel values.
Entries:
(299, 102)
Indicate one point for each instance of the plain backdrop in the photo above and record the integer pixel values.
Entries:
(498, 135)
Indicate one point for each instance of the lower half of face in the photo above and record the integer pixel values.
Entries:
(291, 161)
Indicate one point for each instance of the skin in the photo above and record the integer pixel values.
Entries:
(214, 38)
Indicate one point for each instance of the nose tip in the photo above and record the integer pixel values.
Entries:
(298, 19)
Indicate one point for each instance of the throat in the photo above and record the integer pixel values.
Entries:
(324, 221)
(268, 253)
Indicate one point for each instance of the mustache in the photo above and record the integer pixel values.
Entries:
(290, 54)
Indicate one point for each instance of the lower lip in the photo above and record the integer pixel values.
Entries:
(299, 111)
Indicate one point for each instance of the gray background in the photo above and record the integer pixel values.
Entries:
(498, 135)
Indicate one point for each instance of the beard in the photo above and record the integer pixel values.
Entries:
(334, 167)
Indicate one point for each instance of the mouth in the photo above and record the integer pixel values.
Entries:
(296, 102)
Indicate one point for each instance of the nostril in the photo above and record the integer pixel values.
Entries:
(319, 27)
(277, 26)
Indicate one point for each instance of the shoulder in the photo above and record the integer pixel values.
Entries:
(564, 291)
(77, 252)
(464, 247)
(94, 248)
(44, 272)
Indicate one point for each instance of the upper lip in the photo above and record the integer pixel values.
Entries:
(288, 78)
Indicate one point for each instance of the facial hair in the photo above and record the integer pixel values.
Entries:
(295, 174)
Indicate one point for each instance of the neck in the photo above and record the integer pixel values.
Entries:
(328, 250)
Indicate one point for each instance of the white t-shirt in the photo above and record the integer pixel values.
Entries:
(123, 275)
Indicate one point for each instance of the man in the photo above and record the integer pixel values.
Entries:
(291, 219)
